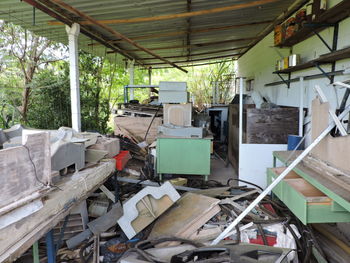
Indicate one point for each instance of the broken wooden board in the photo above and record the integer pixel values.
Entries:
(24, 171)
(334, 151)
(20, 213)
(94, 156)
(188, 214)
(17, 238)
(111, 145)
(137, 126)
(144, 207)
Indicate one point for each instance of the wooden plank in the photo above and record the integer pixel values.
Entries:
(24, 170)
(271, 126)
(332, 15)
(192, 31)
(188, 214)
(332, 150)
(17, 238)
(173, 16)
(114, 32)
(138, 126)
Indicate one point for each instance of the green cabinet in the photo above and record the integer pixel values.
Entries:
(306, 202)
(183, 155)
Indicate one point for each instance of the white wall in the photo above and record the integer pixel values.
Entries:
(259, 63)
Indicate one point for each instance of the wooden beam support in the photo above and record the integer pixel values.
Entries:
(192, 31)
(58, 14)
(113, 32)
(182, 15)
(201, 54)
(193, 45)
(200, 59)
(200, 64)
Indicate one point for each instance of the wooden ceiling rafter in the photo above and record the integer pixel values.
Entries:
(201, 54)
(111, 31)
(181, 15)
(194, 45)
(193, 60)
(194, 31)
(42, 5)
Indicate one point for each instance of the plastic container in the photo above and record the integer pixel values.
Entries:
(121, 160)
(293, 141)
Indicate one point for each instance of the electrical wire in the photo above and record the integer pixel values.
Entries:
(34, 167)
(244, 181)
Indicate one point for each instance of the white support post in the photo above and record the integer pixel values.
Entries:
(73, 33)
(279, 178)
(301, 108)
(240, 132)
(131, 79)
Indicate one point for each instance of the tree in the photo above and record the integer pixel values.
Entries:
(30, 52)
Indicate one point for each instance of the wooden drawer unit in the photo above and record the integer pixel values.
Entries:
(306, 202)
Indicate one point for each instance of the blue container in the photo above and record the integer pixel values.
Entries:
(293, 141)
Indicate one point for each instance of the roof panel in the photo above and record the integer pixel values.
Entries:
(206, 31)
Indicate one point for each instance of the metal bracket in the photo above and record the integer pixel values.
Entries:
(285, 81)
(323, 41)
(324, 72)
(335, 34)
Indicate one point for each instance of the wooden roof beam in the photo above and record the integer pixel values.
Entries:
(194, 45)
(192, 60)
(181, 15)
(113, 32)
(89, 33)
(194, 31)
(201, 54)
(199, 64)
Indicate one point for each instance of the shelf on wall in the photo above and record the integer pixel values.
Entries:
(323, 59)
(308, 77)
(329, 17)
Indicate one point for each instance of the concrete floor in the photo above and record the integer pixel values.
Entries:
(220, 172)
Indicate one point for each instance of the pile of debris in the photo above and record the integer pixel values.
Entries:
(171, 223)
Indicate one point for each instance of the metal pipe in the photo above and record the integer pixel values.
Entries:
(279, 178)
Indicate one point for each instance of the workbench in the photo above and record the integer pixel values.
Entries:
(313, 191)
(17, 238)
(185, 156)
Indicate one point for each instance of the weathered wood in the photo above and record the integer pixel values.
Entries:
(111, 145)
(271, 126)
(114, 32)
(199, 59)
(233, 133)
(193, 31)
(138, 127)
(181, 15)
(188, 214)
(24, 170)
(17, 238)
(334, 151)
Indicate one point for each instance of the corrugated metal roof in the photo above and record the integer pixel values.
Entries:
(210, 33)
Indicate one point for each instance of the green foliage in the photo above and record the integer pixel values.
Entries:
(49, 106)
(101, 83)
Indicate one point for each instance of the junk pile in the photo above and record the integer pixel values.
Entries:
(143, 221)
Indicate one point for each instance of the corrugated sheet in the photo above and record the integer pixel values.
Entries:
(22, 13)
